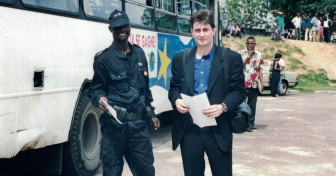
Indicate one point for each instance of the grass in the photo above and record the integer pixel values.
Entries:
(314, 80)
(309, 81)
(295, 64)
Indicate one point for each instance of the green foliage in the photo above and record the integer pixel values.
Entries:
(294, 49)
(268, 56)
(294, 63)
(265, 51)
(246, 12)
(292, 7)
(304, 67)
(312, 81)
(297, 50)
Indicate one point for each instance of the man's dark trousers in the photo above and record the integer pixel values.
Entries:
(252, 95)
(195, 142)
(131, 141)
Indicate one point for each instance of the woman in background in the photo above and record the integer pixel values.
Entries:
(321, 29)
(275, 75)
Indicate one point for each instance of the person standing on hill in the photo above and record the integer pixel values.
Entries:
(308, 35)
(297, 24)
(303, 27)
(253, 63)
(280, 24)
(321, 29)
(326, 29)
(315, 27)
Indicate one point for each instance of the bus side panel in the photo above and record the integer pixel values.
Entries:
(63, 49)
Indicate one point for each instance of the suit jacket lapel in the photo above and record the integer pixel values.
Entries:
(216, 67)
(189, 67)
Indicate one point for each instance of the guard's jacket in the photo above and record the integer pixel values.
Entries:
(122, 78)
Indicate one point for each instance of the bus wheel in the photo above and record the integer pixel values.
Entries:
(81, 152)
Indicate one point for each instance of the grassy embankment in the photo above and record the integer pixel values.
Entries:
(310, 79)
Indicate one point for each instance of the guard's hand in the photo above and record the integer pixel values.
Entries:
(213, 111)
(156, 123)
(102, 105)
(181, 106)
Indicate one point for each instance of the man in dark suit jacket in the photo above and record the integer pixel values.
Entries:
(202, 71)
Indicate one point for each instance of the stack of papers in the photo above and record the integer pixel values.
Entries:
(197, 104)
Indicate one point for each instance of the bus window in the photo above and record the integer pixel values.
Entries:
(7, 1)
(60, 5)
(201, 1)
(147, 2)
(199, 4)
(165, 15)
(167, 5)
(184, 13)
(183, 25)
(139, 14)
(101, 9)
(183, 7)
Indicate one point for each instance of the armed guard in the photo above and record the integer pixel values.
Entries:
(121, 81)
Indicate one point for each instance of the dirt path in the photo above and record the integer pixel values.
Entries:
(318, 55)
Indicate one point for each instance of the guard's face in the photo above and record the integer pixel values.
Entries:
(250, 44)
(121, 33)
(203, 33)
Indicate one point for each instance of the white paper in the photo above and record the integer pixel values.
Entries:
(112, 111)
(197, 104)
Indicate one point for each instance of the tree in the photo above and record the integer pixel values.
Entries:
(248, 13)
(292, 7)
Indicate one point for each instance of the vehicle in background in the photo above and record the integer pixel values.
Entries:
(289, 80)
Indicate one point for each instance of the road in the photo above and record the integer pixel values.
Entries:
(295, 136)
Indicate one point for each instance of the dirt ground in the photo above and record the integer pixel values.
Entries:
(320, 55)
(316, 55)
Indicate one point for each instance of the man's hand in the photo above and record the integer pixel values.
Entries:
(251, 53)
(156, 123)
(261, 87)
(181, 106)
(102, 105)
(213, 111)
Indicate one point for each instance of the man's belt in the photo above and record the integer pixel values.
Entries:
(133, 116)
(124, 115)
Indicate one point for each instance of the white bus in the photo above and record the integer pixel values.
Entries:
(47, 49)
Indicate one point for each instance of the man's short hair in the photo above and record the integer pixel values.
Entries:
(250, 38)
(203, 16)
(278, 55)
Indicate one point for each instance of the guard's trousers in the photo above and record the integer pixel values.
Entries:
(131, 141)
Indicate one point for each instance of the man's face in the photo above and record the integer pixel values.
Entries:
(297, 14)
(121, 33)
(203, 33)
(250, 44)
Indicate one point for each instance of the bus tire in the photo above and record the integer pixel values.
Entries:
(81, 152)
